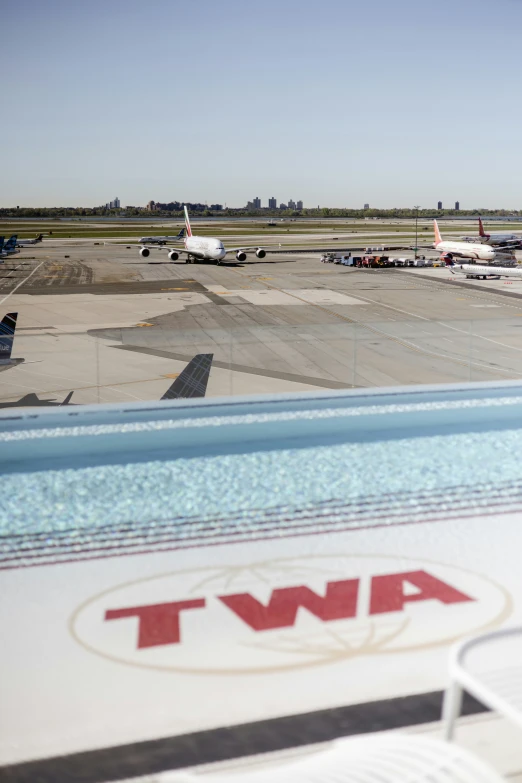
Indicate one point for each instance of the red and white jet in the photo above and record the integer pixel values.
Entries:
(497, 239)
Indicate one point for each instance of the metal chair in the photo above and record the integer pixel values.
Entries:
(489, 667)
(378, 758)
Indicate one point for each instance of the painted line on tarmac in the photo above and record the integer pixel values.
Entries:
(447, 326)
(405, 343)
(21, 283)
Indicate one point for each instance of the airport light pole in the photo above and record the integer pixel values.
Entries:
(416, 227)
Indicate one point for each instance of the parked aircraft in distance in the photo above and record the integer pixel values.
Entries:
(7, 333)
(24, 242)
(163, 240)
(497, 239)
(205, 248)
(9, 248)
(450, 250)
(484, 271)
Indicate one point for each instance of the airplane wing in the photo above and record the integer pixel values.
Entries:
(149, 245)
(145, 246)
(245, 249)
(161, 247)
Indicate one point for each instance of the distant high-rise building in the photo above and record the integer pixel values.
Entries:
(151, 205)
(366, 206)
(457, 206)
(216, 207)
(283, 206)
(116, 203)
(257, 203)
(299, 205)
(439, 204)
(272, 203)
(291, 204)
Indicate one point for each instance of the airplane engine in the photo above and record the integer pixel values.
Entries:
(240, 255)
(173, 256)
(260, 253)
(145, 252)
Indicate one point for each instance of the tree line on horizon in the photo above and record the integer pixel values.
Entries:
(175, 210)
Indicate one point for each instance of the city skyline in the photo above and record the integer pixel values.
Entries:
(385, 121)
(257, 203)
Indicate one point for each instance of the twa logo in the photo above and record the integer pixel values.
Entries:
(287, 613)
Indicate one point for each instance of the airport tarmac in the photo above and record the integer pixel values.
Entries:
(104, 323)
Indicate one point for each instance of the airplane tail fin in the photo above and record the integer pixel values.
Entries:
(11, 242)
(438, 237)
(2, 240)
(39, 237)
(7, 332)
(67, 399)
(181, 234)
(187, 222)
(192, 381)
(481, 229)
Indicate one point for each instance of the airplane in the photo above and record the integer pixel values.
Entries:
(7, 333)
(163, 240)
(483, 271)
(191, 382)
(496, 239)
(450, 250)
(10, 247)
(205, 248)
(24, 242)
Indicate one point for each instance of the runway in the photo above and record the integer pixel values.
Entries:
(105, 324)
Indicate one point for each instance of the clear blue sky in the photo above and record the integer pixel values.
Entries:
(335, 102)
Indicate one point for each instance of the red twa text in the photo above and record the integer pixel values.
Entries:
(159, 624)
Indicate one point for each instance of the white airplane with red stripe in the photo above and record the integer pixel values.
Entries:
(450, 250)
(205, 248)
